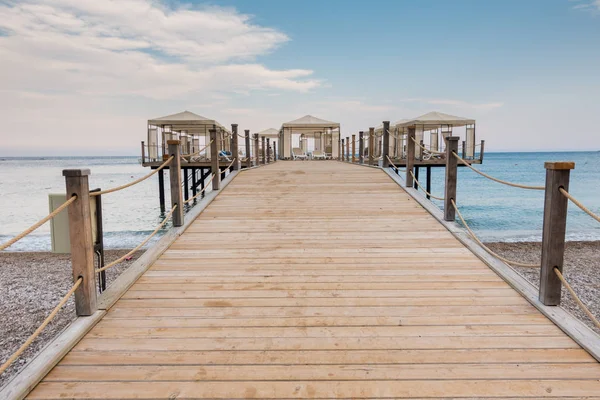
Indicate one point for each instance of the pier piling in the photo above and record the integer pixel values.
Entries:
(451, 174)
(234, 147)
(361, 147)
(175, 181)
(248, 150)
(385, 151)
(214, 160)
(410, 155)
(371, 145)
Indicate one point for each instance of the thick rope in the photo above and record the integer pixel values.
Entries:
(230, 164)
(423, 189)
(577, 299)
(496, 179)
(394, 165)
(121, 259)
(198, 152)
(41, 327)
(425, 148)
(487, 248)
(143, 178)
(201, 191)
(578, 204)
(37, 224)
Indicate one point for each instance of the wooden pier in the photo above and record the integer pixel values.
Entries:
(321, 280)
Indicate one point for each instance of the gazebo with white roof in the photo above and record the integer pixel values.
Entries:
(192, 129)
(325, 134)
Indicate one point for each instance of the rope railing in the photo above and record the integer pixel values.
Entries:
(394, 165)
(143, 178)
(576, 298)
(578, 204)
(423, 189)
(519, 264)
(198, 152)
(39, 330)
(518, 185)
(129, 254)
(201, 191)
(426, 149)
(230, 164)
(38, 224)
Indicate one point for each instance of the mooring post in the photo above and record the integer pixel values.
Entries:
(144, 153)
(554, 228)
(161, 190)
(214, 160)
(410, 156)
(371, 145)
(464, 150)
(263, 151)
(348, 148)
(234, 147)
(256, 153)
(268, 151)
(274, 151)
(451, 175)
(361, 147)
(248, 150)
(343, 150)
(354, 148)
(481, 150)
(82, 245)
(175, 181)
(386, 144)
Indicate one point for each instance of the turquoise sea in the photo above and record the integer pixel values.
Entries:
(496, 212)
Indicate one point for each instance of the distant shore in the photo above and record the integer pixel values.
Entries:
(32, 283)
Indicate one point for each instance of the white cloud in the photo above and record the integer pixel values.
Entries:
(587, 5)
(459, 104)
(137, 47)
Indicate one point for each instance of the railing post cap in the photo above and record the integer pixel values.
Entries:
(386, 122)
(76, 172)
(234, 125)
(247, 130)
(559, 165)
(173, 141)
(453, 138)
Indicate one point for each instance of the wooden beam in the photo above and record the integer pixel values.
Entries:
(248, 149)
(214, 159)
(554, 229)
(353, 148)
(371, 146)
(410, 155)
(451, 175)
(175, 181)
(234, 147)
(361, 147)
(386, 144)
(82, 245)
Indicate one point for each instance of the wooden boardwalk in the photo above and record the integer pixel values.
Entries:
(321, 280)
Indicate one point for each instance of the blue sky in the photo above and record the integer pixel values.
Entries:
(526, 70)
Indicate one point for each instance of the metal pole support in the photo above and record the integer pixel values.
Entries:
(82, 245)
(553, 234)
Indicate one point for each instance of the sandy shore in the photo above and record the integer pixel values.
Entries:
(31, 284)
(581, 269)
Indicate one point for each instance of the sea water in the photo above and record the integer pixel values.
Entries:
(496, 212)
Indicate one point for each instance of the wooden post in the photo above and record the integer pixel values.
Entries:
(268, 151)
(553, 233)
(464, 150)
(234, 147)
(143, 153)
(371, 145)
(451, 175)
(410, 155)
(354, 148)
(263, 152)
(194, 182)
(82, 245)
(214, 160)
(161, 190)
(481, 150)
(274, 151)
(256, 153)
(347, 148)
(343, 149)
(428, 182)
(386, 144)
(175, 181)
(417, 169)
(361, 147)
(248, 150)
(421, 152)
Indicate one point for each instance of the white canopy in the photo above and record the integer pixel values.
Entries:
(270, 133)
(434, 119)
(186, 121)
(310, 122)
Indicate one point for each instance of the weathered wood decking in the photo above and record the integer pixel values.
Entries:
(321, 280)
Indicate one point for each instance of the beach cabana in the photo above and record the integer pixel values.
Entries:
(326, 135)
(437, 124)
(192, 129)
(272, 134)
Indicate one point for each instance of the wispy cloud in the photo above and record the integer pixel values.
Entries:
(137, 47)
(461, 104)
(587, 5)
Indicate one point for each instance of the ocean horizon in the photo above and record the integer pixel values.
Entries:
(495, 212)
